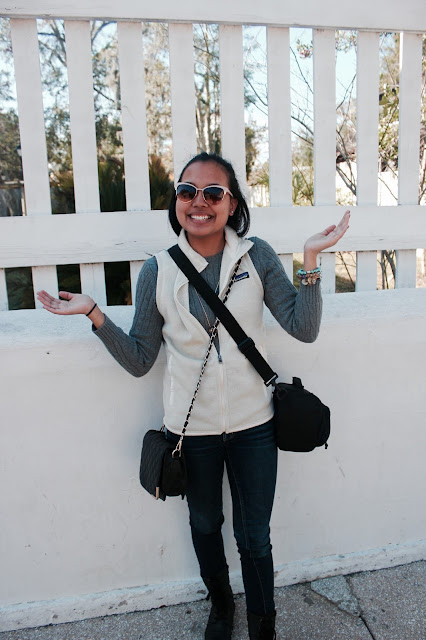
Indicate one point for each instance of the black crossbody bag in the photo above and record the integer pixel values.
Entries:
(302, 421)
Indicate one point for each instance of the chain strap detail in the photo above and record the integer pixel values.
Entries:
(177, 451)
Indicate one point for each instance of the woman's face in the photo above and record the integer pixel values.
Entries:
(204, 223)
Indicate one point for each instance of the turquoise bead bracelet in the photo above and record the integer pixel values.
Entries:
(301, 273)
(309, 277)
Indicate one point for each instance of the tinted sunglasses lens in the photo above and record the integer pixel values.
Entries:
(213, 195)
(185, 192)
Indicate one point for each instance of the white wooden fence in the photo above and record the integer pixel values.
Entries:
(90, 238)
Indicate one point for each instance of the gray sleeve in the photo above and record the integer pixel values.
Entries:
(138, 350)
(298, 312)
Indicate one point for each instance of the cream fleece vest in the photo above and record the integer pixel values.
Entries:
(232, 395)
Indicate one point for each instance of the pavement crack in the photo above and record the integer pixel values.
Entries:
(338, 591)
(367, 626)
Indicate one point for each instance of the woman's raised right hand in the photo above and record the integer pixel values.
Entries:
(71, 304)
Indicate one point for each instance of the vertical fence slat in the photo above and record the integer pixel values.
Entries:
(324, 117)
(32, 132)
(367, 117)
(82, 116)
(31, 116)
(367, 144)
(279, 117)
(182, 88)
(4, 304)
(83, 140)
(406, 267)
(287, 262)
(325, 136)
(133, 115)
(328, 268)
(410, 85)
(409, 143)
(232, 98)
(366, 270)
(92, 277)
(135, 267)
(45, 278)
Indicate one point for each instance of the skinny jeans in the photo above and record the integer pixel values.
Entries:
(250, 457)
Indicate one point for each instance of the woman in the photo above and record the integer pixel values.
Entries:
(232, 418)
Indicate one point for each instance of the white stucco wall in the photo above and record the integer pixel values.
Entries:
(79, 537)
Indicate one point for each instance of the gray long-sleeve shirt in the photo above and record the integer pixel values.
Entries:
(298, 312)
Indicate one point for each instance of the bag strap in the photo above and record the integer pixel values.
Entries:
(177, 451)
(245, 344)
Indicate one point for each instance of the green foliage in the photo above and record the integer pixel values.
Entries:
(10, 162)
(62, 192)
(303, 172)
(157, 91)
(108, 136)
(161, 187)
(19, 283)
(58, 138)
(303, 186)
(345, 40)
(388, 127)
(6, 70)
(117, 280)
(69, 277)
(260, 175)
(111, 185)
(252, 146)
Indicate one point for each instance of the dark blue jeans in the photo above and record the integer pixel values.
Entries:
(251, 462)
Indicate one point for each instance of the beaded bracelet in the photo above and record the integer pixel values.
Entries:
(309, 277)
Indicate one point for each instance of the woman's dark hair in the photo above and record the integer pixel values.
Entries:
(240, 220)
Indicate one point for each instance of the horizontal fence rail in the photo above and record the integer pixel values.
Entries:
(90, 238)
(93, 239)
(122, 235)
(387, 16)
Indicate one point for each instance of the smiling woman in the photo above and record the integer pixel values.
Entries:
(231, 421)
(210, 170)
(204, 218)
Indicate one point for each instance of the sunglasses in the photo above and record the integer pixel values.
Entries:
(213, 194)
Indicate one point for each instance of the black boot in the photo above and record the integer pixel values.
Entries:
(221, 619)
(261, 627)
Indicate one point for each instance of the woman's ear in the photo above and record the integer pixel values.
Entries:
(234, 205)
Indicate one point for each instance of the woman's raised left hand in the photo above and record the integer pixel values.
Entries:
(329, 237)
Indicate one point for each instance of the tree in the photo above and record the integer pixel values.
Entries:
(10, 162)
(157, 88)
(207, 88)
(161, 187)
(388, 126)
(206, 42)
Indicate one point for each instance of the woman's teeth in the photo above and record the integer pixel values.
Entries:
(194, 217)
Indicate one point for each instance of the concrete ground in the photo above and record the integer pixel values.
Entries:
(389, 604)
